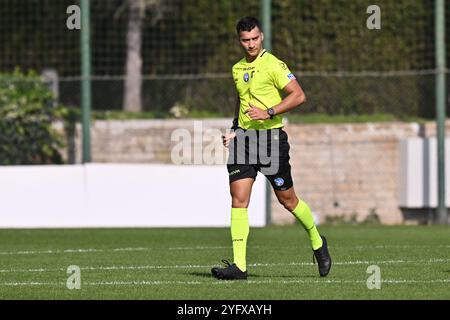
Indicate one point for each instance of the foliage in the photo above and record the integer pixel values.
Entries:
(189, 47)
(372, 217)
(352, 219)
(313, 118)
(26, 116)
(341, 219)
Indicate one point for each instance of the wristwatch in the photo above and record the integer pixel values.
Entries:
(271, 112)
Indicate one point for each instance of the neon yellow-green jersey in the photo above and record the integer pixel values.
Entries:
(260, 83)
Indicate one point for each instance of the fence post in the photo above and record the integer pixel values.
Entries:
(86, 96)
(442, 217)
(266, 16)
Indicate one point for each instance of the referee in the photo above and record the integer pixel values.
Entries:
(261, 79)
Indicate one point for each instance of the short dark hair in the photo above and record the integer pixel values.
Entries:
(247, 24)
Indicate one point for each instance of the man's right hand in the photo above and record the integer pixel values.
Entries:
(226, 139)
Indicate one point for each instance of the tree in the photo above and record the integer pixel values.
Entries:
(133, 80)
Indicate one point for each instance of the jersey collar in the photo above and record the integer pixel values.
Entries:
(257, 58)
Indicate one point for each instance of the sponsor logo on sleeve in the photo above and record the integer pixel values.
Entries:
(279, 182)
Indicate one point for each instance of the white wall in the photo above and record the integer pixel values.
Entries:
(121, 195)
(419, 173)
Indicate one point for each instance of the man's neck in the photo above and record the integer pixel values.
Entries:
(250, 59)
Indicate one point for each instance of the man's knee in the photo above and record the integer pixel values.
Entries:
(239, 201)
(289, 202)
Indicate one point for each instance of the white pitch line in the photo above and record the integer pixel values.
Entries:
(89, 250)
(393, 246)
(145, 282)
(213, 282)
(18, 284)
(193, 266)
(94, 250)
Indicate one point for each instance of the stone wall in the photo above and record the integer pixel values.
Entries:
(344, 170)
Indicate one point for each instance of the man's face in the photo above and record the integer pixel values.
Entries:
(251, 41)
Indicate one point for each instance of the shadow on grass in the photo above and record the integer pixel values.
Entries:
(209, 275)
(253, 276)
(201, 274)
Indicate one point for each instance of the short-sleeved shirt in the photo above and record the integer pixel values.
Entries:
(260, 83)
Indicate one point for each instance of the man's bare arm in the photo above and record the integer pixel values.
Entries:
(295, 97)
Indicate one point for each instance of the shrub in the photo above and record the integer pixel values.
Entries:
(26, 115)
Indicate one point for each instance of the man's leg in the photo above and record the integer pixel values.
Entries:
(302, 212)
(283, 186)
(240, 197)
(240, 190)
(242, 175)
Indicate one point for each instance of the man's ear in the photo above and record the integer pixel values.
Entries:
(262, 36)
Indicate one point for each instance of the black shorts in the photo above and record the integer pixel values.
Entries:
(266, 151)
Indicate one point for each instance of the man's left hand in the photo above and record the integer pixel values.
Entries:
(256, 113)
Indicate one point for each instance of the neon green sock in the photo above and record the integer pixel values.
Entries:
(303, 214)
(239, 233)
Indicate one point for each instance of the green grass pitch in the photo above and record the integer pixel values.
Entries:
(175, 263)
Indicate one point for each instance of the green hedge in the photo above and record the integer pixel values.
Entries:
(26, 115)
(192, 37)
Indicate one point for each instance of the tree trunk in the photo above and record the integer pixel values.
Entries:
(133, 81)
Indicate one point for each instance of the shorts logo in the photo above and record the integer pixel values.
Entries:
(290, 76)
(279, 182)
(246, 77)
(234, 172)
